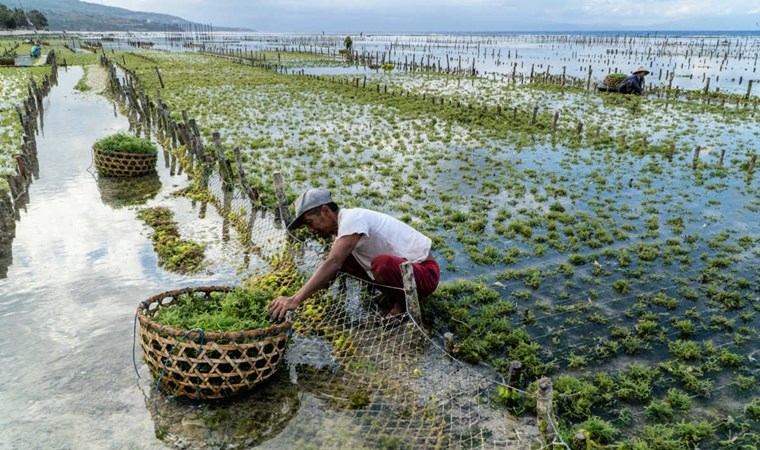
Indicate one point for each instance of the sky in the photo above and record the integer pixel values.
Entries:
(458, 15)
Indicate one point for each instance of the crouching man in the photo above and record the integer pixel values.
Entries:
(368, 244)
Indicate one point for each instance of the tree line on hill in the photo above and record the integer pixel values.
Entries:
(17, 18)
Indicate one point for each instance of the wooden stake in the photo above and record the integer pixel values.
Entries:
(515, 368)
(449, 341)
(283, 210)
(410, 292)
(20, 116)
(252, 193)
(225, 170)
(544, 410)
(580, 440)
(197, 139)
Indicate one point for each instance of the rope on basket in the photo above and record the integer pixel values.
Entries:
(166, 361)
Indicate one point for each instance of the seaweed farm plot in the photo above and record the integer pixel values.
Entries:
(687, 61)
(619, 256)
(353, 380)
(625, 119)
(287, 125)
(13, 90)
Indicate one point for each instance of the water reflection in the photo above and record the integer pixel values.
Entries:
(242, 422)
(7, 233)
(16, 201)
(302, 389)
(80, 264)
(226, 209)
(118, 192)
(33, 163)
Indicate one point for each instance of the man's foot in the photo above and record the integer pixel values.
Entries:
(398, 308)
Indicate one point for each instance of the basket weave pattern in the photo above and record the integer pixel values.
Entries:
(614, 80)
(117, 164)
(207, 366)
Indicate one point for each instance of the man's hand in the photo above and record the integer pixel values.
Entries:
(340, 250)
(280, 306)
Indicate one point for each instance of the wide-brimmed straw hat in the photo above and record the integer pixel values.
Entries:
(642, 69)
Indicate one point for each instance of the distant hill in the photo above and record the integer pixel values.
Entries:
(75, 15)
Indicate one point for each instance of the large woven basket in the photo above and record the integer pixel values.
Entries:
(116, 164)
(207, 365)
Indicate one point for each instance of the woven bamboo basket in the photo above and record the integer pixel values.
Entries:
(116, 164)
(614, 79)
(207, 365)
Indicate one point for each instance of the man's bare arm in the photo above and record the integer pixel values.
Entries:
(327, 270)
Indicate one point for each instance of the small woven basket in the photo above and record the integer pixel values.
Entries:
(116, 164)
(207, 366)
(614, 79)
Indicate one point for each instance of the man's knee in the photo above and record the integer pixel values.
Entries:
(386, 268)
(427, 275)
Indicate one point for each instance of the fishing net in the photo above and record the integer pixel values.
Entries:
(367, 381)
(387, 384)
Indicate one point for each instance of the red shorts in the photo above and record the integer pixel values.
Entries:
(387, 270)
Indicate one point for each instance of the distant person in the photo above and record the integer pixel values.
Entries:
(634, 83)
(36, 51)
(349, 43)
(368, 244)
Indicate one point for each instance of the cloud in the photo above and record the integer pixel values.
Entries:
(675, 9)
(452, 15)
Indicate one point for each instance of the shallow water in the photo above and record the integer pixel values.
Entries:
(647, 194)
(81, 263)
(690, 58)
(728, 58)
